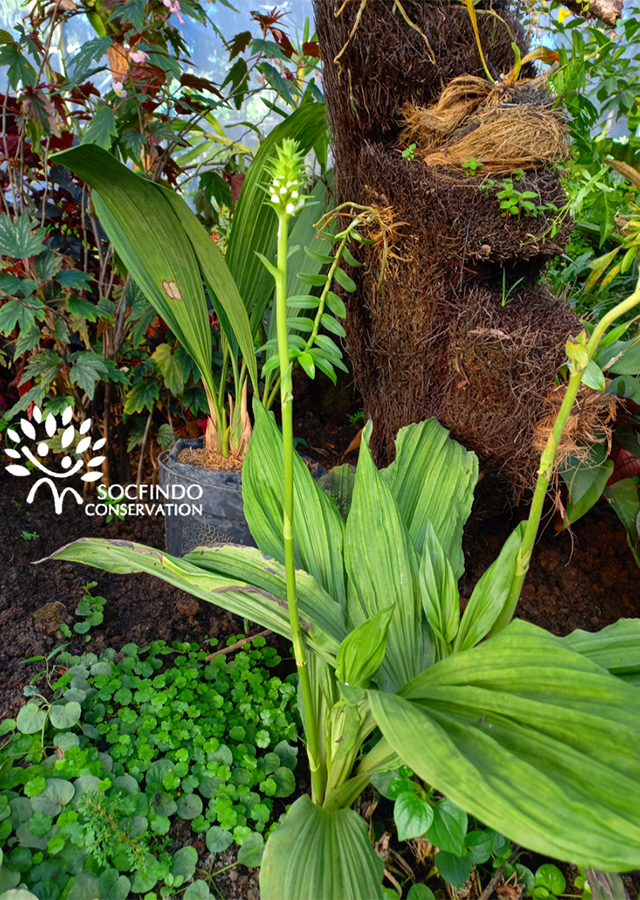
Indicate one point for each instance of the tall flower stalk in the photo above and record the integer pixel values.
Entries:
(287, 199)
(581, 351)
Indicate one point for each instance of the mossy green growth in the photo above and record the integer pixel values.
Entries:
(103, 759)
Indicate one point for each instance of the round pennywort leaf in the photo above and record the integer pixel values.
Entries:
(30, 718)
(218, 839)
(65, 716)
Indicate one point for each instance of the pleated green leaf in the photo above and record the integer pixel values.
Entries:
(616, 647)
(486, 608)
(382, 566)
(255, 225)
(319, 855)
(318, 526)
(263, 601)
(432, 480)
(362, 651)
(149, 239)
(533, 739)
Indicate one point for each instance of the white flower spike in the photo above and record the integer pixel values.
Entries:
(285, 190)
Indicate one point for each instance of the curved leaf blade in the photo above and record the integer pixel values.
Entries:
(321, 611)
(263, 602)
(532, 738)
(486, 609)
(219, 281)
(148, 237)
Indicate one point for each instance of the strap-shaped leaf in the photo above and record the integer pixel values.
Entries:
(255, 225)
(534, 739)
(318, 526)
(263, 602)
(224, 294)
(152, 244)
(382, 566)
(616, 647)
(486, 610)
(320, 855)
(433, 479)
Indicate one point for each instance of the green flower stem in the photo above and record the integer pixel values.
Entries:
(548, 457)
(286, 401)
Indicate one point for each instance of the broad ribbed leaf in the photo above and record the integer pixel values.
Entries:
(586, 480)
(319, 855)
(533, 739)
(432, 480)
(625, 502)
(152, 244)
(616, 647)
(382, 566)
(362, 651)
(486, 609)
(263, 602)
(317, 524)
(255, 225)
(222, 288)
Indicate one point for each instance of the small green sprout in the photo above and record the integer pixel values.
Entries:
(409, 153)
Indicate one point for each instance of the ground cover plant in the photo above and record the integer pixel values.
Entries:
(110, 750)
(386, 661)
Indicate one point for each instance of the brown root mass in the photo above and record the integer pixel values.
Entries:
(503, 129)
(589, 422)
(451, 323)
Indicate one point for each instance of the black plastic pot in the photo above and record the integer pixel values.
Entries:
(218, 493)
(220, 496)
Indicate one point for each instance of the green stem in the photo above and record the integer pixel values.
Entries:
(325, 291)
(547, 460)
(286, 401)
(272, 396)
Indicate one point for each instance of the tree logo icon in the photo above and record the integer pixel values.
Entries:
(70, 466)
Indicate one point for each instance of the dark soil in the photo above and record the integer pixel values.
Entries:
(586, 580)
(34, 600)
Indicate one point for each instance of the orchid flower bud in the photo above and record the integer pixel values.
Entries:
(288, 179)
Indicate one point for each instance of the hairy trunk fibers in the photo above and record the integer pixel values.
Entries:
(448, 320)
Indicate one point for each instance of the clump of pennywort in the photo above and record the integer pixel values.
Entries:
(110, 751)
